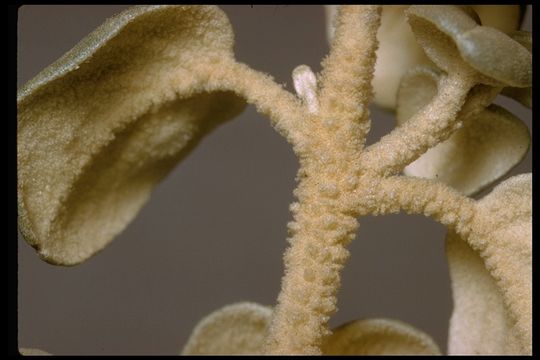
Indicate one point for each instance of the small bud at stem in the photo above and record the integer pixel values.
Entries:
(305, 84)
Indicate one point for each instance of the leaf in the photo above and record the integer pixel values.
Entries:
(99, 128)
(491, 275)
(522, 95)
(497, 56)
(379, 337)
(239, 328)
(453, 39)
(32, 352)
(396, 41)
(487, 147)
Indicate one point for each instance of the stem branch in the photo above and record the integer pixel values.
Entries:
(418, 196)
(320, 232)
(431, 125)
(283, 109)
(348, 70)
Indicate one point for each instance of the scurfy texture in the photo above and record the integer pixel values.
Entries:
(101, 127)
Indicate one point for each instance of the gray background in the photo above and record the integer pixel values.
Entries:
(214, 231)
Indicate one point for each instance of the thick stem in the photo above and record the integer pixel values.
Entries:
(433, 124)
(324, 218)
(348, 70)
(321, 229)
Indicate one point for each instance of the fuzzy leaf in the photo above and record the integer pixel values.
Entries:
(488, 145)
(379, 337)
(491, 273)
(98, 129)
(453, 39)
(239, 329)
(32, 352)
(522, 95)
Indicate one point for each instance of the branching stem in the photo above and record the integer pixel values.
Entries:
(324, 221)
(433, 124)
(418, 196)
(284, 109)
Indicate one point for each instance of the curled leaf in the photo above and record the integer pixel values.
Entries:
(454, 40)
(99, 128)
(32, 352)
(330, 12)
(522, 95)
(496, 56)
(523, 37)
(479, 322)
(239, 328)
(396, 41)
(379, 337)
(242, 328)
(416, 90)
(488, 145)
(491, 273)
(435, 28)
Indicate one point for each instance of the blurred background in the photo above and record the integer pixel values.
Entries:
(214, 231)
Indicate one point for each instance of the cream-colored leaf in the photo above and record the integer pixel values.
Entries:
(488, 145)
(416, 90)
(435, 28)
(479, 322)
(523, 37)
(396, 41)
(100, 127)
(522, 95)
(492, 275)
(379, 337)
(496, 56)
(454, 40)
(32, 352)
(239, 328)
(330, 12)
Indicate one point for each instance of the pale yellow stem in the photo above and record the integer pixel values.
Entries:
(381, 196)
(348, 70)
(431, 125)
(324, 220)
(283, 108)
(321, 229)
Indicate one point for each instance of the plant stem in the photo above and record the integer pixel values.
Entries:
(322, 227)
(283, 109)
(348, 70)
(431, 125)
(418, 196)
(324, 218)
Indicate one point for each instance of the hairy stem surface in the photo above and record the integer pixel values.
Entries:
(427, 128)
(418, 196)
(324, 219)
(322, 227)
